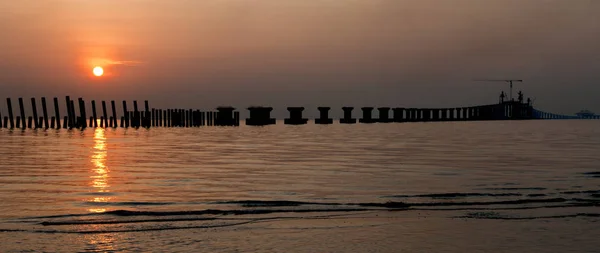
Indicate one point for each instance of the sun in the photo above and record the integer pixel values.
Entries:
(98, 71)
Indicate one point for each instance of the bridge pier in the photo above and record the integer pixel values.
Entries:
(435, 114)
(367, 115)
(384, 115)
(260, 116)
(444, 115)
(426, 115)
(295, 116)
(225, 117)
(417, 115)
(323, 116)
(347, 119)
(398, 114)
(408, 116)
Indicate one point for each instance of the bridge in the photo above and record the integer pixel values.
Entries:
(259, 116)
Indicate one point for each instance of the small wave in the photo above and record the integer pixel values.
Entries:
(484, 203)
(581, 192)
(98, 193)
(227, 212)
(498, 216)
(536, 195)
(516, 189)
(143, 229)
(592, 174)
(133, 203)
(267, 203)
(457, 195)
(105, 222)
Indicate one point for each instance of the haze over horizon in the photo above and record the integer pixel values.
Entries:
(201, 54)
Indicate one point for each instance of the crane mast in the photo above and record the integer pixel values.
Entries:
(509, 81)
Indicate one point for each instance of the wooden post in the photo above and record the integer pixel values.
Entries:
(153, 118)
(76, 119)
(22, 109)
(123, 121)
(94, 116)
(136, 115)
(105, 125)
(52, 122)
(70, 117)
(29, 122)
(114, 113)
(82, 113)
(65, 122)
(168, 118)
(35, 116)
(187, 118)
(125, 115)
(45, 112)
(10, 113)
(56, 113)
(5, 122)
(160, 113)
(18, 121)
(131, 119)
(147, 115)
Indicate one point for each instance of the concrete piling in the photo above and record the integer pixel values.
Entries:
(398, 114)
(260, 116)
(225, 116)
(367, 115)
(323, 116)
(384, 115)
(347, 119)
(295, 116)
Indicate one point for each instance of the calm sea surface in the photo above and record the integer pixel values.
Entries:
(528, 186)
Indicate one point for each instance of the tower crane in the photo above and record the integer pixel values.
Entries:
(510, 81)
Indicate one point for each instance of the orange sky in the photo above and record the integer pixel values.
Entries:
(283, 53)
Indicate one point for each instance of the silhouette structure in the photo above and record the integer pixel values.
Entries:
(347, 119)
(367, 115)
(323, 116)
(260, 116)
(295, 116)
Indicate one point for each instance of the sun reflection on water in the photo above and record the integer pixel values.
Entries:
(99, 170)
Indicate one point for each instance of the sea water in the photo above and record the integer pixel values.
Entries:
(502, 186)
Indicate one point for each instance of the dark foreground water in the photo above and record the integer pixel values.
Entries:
(530, 186)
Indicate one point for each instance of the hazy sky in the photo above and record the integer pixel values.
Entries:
(204, 53)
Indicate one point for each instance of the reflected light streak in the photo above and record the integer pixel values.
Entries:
(100, 170)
